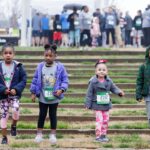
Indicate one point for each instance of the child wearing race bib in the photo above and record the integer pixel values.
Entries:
(98, 98)
(49, 83)
(12, 83)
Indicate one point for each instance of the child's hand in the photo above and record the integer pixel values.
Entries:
(13, 92)
(58, 92)
(33, 97)
(121, 94)
(7, 91)
(140, 100)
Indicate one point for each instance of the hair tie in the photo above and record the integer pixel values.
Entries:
(101, 61)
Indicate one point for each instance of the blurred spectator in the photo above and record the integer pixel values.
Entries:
(122, 24)
(146, 26)
(85, 19)
(95, 31)
(102, 37)
(36, 28)
(74, 28)
(137, 24)
(45, 29)
(57, 30)
(128, 28)
(111, 21)
(65, 28)
(51, 25)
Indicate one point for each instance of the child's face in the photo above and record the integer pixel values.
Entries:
(101, 70)
(49, 57)
(8, 55)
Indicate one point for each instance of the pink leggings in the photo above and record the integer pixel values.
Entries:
(102, 119)
(4, 105)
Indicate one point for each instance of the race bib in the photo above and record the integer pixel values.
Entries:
(48, 93)
(58, 27)
(110, 22)
(88, 22)
(76, 23)
(138, 22)
(103, 98)
(7, 81)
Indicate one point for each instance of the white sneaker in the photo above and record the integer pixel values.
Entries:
(38, 138)
(52, 138)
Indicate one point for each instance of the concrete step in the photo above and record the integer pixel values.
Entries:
(78, 52)
(71, 60)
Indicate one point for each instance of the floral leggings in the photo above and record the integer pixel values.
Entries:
(4, 105)
(102, 119)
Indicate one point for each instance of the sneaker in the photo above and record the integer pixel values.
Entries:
(13, 130)
(102, 138)
(38, 138)
(4, 140)
(52, 138)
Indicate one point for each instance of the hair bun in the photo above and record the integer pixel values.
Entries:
(47, 46)
(54, 47)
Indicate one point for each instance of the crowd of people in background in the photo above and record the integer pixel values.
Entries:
(106, 28)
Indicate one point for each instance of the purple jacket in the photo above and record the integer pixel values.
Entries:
(61, 79)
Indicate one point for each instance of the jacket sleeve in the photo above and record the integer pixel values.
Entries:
(140, 82)
(34, 82)
(64, 79)
(23, 79)
(2, 89)
(89, 96)
(114, 89)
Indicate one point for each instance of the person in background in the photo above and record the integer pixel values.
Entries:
(36, 29)
(111, 22)
(85, 26)
(128, 28)
(146, 26)
(45, 29)
(137, 24)
(57, 35)
(51, 25)
(65, 28)
(95, 31)
(74, 29)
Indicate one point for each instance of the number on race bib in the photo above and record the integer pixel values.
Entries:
(48, 93)
(103, 98)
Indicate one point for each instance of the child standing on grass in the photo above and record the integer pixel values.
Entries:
(49, 83)
(12, 83)
(98, 98)
(143, 83)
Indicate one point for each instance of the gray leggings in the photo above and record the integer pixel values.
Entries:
(147, 103)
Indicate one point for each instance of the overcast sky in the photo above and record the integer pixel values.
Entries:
(55, 6)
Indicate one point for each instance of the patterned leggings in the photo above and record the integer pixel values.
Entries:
(102, 119)
(4, 105)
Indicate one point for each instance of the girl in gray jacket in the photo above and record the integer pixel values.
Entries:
(98, 98)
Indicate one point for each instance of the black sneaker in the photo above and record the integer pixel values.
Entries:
(13, 130)
(4, 140)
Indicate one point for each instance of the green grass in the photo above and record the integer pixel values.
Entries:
(136, 112)
(25, 111)
(129, 125)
